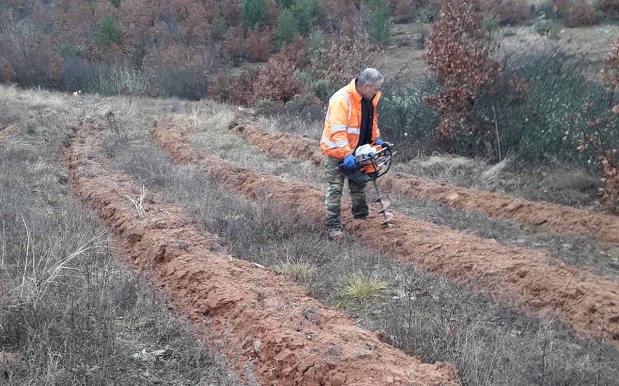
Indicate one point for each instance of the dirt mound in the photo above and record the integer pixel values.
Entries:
(280, 144)
(557, 219)
(529, 279)
(258, 317)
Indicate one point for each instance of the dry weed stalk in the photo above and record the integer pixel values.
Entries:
(40, 271)
(138, 203)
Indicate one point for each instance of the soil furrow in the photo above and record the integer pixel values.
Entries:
(554, 218)
(529, 279)
(256, 316)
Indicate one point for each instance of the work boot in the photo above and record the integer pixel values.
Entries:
(360, 216)
(335, 234)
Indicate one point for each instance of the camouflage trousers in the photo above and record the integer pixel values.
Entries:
(335, 185)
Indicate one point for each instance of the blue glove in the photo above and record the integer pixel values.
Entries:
(349, 162)
(382, 143)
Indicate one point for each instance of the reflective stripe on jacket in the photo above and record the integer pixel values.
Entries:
(343, 122)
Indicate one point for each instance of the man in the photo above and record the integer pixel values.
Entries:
(351, 121)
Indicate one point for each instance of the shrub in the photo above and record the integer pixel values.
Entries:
(220, 87)
(81, 74)
(360, 291)
(601, 137)
(226, 88)
(542, 27)
(285, 3)
(67, 50)
(286, 27)
(333, 11)
(560, 8)
(277, 81)
(234, 47)
(242, 89)
(109, 31)
(7, 74)
(408, 120)
(307, 14)
(117, 80)
(379, 22)
(301, 109)
(403, 11)
(179, 71)
(338, 59)
(537, 128)
(322, 89)
(580, 13)
(490, 22)
(513, 12)
(254, 13)
(545, 10)
(218, 28)
(610, 8)
(610, 72)
(231, 11)
(459, 56)
(193, 22)
(259, 44)
(28, 57)
(602, 134)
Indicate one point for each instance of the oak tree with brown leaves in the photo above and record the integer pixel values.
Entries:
(459, 56)
(602, 136)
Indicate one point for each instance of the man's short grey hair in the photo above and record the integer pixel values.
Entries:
(370, 76)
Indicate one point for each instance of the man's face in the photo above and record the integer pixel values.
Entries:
(369, 91)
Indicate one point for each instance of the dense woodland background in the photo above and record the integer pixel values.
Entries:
(535, 106)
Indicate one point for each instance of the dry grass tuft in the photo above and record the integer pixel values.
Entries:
(300, 272)
(361, 288)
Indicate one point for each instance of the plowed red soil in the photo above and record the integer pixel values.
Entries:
(554, 218)
(528, 279)
(254, 314)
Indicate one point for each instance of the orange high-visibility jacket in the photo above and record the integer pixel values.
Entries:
(343, 122)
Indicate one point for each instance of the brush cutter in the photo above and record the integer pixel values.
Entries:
(372, 162)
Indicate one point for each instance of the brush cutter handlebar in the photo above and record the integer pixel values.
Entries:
(371, 163)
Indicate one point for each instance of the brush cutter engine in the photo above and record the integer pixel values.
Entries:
(372, 162)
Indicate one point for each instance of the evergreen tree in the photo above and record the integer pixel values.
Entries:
(282, 4)
(379, 22)
(286, 27)
(307, 14)
(218, 28)
(109, 31)
(254, 13)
